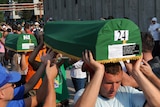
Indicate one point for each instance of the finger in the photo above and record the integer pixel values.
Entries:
(138, 62)
(90, 55)
(52, 54)
(145, 62)
(86, 55)
(49, 50)
(142, 67)
(48, 63)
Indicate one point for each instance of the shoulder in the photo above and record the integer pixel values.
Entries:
(128, 90)
(155, 62)
(125, 88)
(78, 94)
(130, 96)
(129, 93)
(19, 92)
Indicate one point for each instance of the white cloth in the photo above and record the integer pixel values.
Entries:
(123, 66)
(152, 29)
(76, 70)
(16, 64)
(126, 97)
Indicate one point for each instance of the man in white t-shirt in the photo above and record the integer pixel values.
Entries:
(105, 90)
(154, 29)
(79, 78)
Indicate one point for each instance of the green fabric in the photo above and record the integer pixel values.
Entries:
(20, 42)
(0, 34)
(60, 85)
(72, 37)
(61, 90)
(101, 37)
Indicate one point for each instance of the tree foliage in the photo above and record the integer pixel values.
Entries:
(26, 14)
(1, 13)
(3, 1)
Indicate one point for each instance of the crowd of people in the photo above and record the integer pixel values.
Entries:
(34, 86)
(38, 78)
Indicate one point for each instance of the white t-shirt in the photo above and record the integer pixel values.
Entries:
(126, 97)
(152, 29)
(76, 71)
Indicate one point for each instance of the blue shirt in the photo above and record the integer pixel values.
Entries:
(18, 100)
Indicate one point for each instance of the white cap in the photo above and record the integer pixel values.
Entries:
(154, 19)
(4, 27)
(36, 23)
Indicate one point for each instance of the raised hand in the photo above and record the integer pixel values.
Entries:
(146, 69)
(51, 70)
(48, 56)
(88, 59)
(39, 37)
(136, 66)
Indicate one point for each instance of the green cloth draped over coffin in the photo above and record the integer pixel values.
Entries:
(110, 41)
(20, 42)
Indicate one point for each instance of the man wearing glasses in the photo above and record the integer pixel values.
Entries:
(46, 91)
(6, 85)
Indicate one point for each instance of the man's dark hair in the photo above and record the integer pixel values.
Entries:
(14, 26)
(26, 25)
(9, 30)
(147, 42)
(19, 27)
(109, 17)
(113, 68)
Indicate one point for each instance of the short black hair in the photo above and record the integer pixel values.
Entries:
(147, 42)
(113, 68)
(14, 26)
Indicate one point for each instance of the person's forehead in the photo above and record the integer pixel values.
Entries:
(113, 77)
